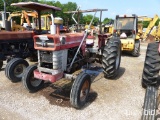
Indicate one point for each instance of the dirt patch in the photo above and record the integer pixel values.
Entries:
(118, 99)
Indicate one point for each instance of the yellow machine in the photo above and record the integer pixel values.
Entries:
(151, 31)
(108, 28)
(150, 26)
(141, 19)
(126, 27)
(156, 33)
(92, 27)
(140, 30)
(24, 16)
(45, 22)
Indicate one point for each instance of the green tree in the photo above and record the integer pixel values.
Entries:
(70, 6)
(107, 20)
(87, 18)
(146, 23)
(157, 23)
(10, 8)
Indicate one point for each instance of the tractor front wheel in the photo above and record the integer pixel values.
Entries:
(80, 90)
(111, 58)
(30, 83)
(15, 68)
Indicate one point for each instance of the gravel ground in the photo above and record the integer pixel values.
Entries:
(119, 99)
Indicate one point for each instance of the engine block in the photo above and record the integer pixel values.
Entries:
(58, 59)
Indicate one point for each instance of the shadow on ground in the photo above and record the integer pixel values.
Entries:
(59, 94)
(120, 73)
(127, 54)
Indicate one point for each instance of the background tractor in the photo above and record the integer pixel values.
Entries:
(18, 45)
(14, 44)
(126, 27)
(19, 42)
(60, 55)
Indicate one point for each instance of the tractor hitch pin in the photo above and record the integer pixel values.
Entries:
(84, 37)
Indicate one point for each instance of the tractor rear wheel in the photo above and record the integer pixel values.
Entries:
(15, 68)
(111, 58)
(136, 50)
(80, 90)
(151, 66)
(30, 83)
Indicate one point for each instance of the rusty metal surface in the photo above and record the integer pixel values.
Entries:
(16, 35)
(35, 6)
(48, 77)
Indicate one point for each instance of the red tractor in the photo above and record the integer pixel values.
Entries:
(60, 55)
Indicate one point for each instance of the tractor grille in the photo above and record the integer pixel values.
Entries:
(46, 57)
(49, 42)
(55, 60)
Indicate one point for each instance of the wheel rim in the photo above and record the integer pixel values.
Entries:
(84, 91)
(117, 59)
(19, 69)
(35, 82)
